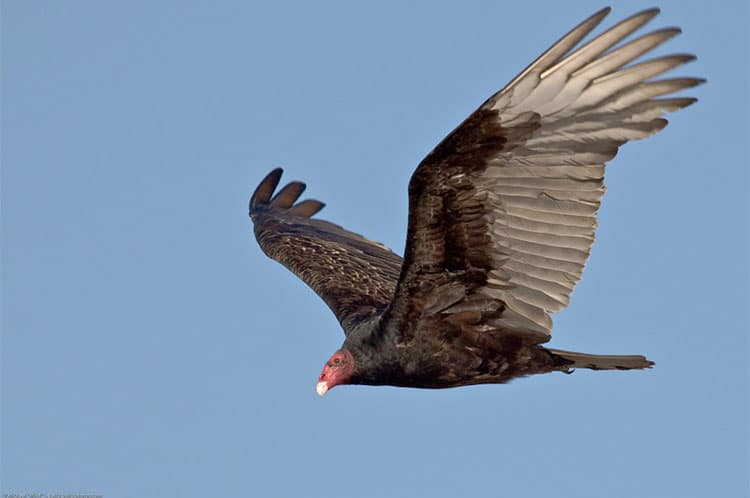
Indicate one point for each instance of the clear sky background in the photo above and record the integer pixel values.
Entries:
(149, 348)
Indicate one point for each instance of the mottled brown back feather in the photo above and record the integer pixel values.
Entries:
(356, 277)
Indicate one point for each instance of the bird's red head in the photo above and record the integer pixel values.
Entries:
(337, 370)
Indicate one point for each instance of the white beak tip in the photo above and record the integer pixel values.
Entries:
(321, 388)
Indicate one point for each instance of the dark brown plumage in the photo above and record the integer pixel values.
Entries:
(502, 215)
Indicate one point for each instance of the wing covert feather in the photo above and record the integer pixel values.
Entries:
(356, 277)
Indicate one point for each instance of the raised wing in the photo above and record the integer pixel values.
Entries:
(502, 212)
(356, 277)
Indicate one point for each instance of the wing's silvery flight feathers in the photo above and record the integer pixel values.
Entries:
(502, 212)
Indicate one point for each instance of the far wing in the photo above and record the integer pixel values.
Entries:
(356, 277)
(502, 212)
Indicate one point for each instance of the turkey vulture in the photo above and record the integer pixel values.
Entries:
(502, 215)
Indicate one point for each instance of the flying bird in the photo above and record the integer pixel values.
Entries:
(502, 215)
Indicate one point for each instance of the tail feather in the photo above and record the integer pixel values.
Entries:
(602, 362)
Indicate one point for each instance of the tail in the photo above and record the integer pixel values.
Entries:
(602, 362)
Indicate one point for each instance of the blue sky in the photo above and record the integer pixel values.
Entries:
(150, 349)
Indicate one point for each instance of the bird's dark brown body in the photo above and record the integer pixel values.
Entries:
(441, 362)
(502, 216)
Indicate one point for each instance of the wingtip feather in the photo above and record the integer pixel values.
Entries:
(563, 45)
(265, 189)
(264, 197)
(307, 208)
(288, 195)
(599, 16)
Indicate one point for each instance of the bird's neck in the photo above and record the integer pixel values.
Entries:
(368, 346)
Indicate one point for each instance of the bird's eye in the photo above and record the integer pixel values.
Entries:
(336, 361)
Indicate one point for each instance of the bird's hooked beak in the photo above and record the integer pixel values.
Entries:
(321, 388)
